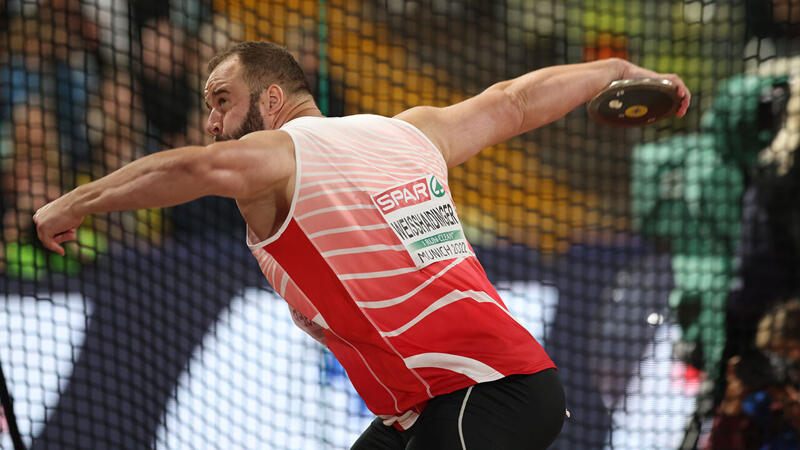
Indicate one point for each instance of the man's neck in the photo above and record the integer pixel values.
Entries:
(302, 108)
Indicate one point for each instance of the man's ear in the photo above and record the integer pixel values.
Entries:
(272, 99)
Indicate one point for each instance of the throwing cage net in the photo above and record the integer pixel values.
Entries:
(642, 259)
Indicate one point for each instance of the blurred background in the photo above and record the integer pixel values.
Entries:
(659, 266)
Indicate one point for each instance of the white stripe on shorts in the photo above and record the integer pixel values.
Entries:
(461, 418)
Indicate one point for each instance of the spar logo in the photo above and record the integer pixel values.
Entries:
(436, 187)
(408, 194)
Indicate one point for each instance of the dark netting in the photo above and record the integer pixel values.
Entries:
(643, 259)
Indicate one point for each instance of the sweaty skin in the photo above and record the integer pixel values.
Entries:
(258, 169)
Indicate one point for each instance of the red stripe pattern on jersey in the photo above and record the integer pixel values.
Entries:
(404, 333)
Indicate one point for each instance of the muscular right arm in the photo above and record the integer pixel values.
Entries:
(238, 169)
(513, 107)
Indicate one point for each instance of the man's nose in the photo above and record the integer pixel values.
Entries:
(214, 125)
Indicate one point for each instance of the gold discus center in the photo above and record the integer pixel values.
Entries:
(636, 111)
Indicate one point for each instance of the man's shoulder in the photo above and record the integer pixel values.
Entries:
(270, 136)
(275, 141)
(321, 125)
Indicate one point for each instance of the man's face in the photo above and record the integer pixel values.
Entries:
(234, 112)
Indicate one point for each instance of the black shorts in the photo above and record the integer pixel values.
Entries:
(515, 412)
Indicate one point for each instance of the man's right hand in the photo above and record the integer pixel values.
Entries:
(633, 71)
(56, 223)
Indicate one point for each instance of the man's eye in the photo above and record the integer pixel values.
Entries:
(222, 101)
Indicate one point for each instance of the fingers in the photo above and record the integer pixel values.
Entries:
(685, 102)
(52, 244)
(680, 87)
(65, 236)
(51, 239)
(686, 99)
(683, 93)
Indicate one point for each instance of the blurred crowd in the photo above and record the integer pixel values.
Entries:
(761, 405)
(86, 87)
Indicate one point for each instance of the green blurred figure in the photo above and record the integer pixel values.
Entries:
(687, 192)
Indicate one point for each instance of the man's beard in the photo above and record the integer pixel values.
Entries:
(252, 122)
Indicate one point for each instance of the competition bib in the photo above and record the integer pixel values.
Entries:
(421, 213)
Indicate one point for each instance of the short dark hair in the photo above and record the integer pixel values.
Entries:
(263, 64)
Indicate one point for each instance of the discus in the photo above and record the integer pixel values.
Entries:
(635, 102)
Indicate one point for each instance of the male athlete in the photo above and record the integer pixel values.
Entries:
(352, 222)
